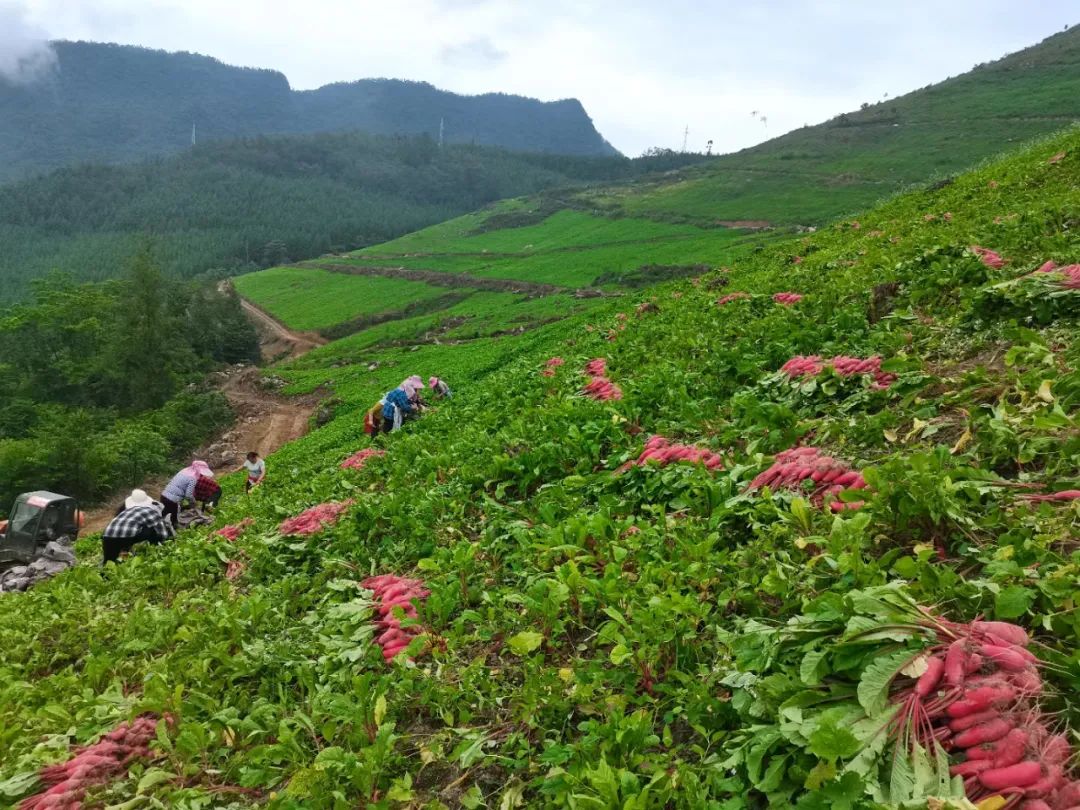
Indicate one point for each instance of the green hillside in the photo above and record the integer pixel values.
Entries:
(845, 164)
(242, 205)
(612, 637)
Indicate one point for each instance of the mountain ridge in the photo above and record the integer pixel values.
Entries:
(105, 102)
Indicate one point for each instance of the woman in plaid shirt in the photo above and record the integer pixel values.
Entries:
(139, 521)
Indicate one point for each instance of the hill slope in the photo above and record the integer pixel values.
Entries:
(818, 172)
(610, 636)
(108, 103)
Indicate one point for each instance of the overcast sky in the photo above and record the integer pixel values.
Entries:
(644, 69)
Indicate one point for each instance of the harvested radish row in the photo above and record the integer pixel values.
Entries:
(662, 452)
(232, 532)
(552, 364)
(1070, 274)
(1060, 497)
(829, 476)
(978, 697)
(988, 257)
(727, 299)
(787, 298)
(395, 592)
(358, 459)
(315, 519)
(812, 365)
(600, 387)
(67, 783)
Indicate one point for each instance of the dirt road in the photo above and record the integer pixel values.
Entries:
(277, 341)
(265, 418)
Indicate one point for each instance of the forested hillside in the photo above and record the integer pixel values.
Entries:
(721, 543)
(103, 383)
(241, 205)
(110, 103)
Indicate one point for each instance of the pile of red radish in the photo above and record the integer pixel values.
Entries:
(315, 519)
(663, 451)
(232, 532)
(395, 592)
(727, 299)
(979, 697)
(551, 365)
(828, 475)
(67, 782)
(787, 298)
(1070, 274)
(988, 257)
(812, 365)
(357, 460)
(599, 386)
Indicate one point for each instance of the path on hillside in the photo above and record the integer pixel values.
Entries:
(265, 418)
(276, 340)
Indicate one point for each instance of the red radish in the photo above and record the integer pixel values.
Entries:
(1005, 657)
(954, 662)
(1027, 681)
(1035, 804)
(984, 733)
(1009, 750)
(1020, 775)
(1006, 630)
(930, 679)
(1052, 779)
(971, 768)
(1056, 750)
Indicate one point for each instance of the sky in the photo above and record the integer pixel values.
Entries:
(646, 71)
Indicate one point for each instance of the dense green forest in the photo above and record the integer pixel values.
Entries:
(107, 103)
(101, 380)
(252, 203)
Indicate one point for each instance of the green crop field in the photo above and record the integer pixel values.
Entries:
(563, 230)
(314, 299)
(600, 630)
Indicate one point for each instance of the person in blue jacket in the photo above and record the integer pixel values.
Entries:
(402, 403)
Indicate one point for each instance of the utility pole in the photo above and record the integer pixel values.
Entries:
(685, 137)
(442, 121)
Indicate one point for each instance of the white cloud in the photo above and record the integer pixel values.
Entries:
(643, 70)
(477, 53)
(25, 54)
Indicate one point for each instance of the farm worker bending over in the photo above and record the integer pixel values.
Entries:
(256, 470)
(207, 492)
(439, 388)
(182, 488)
(402, 403)
(140, 520)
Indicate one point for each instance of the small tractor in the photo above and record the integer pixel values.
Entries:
(37, 541)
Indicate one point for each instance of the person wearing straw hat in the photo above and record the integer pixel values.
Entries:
(140, 521)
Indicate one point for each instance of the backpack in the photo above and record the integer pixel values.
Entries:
(373, 419)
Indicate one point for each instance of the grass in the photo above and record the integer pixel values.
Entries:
(308, 299)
